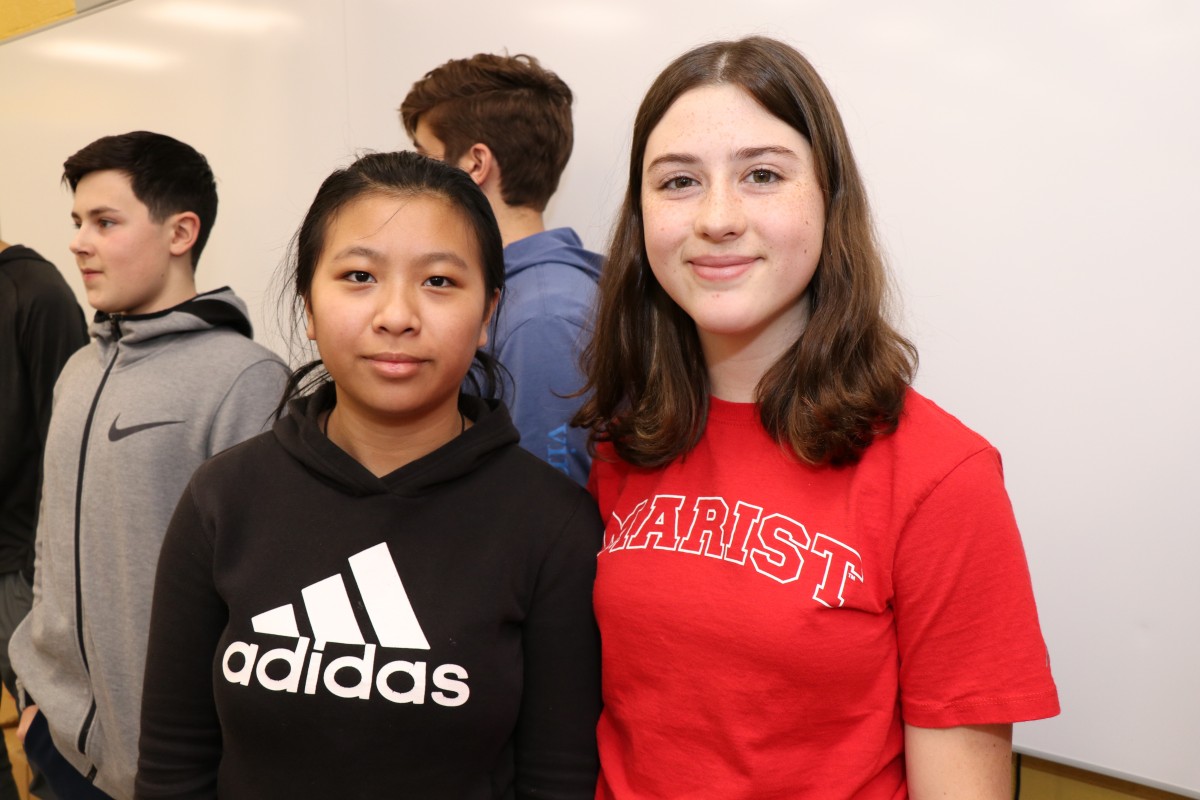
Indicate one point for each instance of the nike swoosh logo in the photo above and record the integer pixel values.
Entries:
(116, 434)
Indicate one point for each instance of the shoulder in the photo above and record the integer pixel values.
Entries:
(927, 430)
(928, 446)
(223, 358)
(239, 466)
(229, 344)
(36, 281)
(517, 475)
(608, 476)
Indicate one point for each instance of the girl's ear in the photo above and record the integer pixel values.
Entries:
(488, 313)
(184, 228)
(310, 325)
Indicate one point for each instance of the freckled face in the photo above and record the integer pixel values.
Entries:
(398, 306)
(122, 253)
(734, 218)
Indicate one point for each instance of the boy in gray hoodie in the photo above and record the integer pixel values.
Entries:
(171, 378)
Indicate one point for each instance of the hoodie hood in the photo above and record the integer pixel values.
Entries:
(220, 308)
(300, 434)
(558, 246)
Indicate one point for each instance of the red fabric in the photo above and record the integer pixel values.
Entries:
(769, 627)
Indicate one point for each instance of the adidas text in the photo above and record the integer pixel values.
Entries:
(397, 681)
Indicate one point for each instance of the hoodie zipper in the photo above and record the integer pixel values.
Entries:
(87, 435)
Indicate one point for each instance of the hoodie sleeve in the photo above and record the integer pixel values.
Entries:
(248, 408)
(556, 754)
(180, 746)
(51, 330)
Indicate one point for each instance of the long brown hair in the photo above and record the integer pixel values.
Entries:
(839, 385)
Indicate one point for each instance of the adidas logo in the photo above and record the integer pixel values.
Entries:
(331, 616)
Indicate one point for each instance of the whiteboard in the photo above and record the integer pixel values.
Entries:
(1034, 169)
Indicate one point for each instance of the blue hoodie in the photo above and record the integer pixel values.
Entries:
(544, 323)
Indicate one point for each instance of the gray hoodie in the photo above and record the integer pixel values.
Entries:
(134, 415)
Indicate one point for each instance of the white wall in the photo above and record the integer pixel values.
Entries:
(1034, 173)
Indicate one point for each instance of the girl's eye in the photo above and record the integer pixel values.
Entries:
(439, 282)
(358, 276)
(763, 176)
(106, 223)
(679, 182)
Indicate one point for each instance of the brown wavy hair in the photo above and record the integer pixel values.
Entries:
(841, 384)
(514, 105)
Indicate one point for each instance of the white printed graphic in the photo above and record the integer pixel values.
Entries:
(301, 668)
(332, 616)
(386, 601)
(776, 545)
(279, 621)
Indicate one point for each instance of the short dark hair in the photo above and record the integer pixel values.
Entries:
(840, 384)
(519, 109)
(167, 176)
(403, 174)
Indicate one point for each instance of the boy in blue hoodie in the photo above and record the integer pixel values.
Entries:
(506, 121)
(171, 378)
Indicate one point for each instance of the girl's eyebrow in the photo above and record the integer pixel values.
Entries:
(751, 153)
(371, 254)
(744, 154)
(359, 251)
(672, 158)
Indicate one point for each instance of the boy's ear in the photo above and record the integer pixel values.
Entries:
(184, 229)
(479, 162)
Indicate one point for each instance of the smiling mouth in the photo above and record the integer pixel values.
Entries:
(721, 268)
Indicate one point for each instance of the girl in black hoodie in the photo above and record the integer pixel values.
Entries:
(384, 596)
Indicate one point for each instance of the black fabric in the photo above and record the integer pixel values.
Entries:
(495, 552)
(41, 325)
(64, 780)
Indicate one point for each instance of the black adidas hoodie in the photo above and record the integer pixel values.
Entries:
(321, 632)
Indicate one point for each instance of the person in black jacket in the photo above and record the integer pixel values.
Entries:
(385, 596)
(41, 325)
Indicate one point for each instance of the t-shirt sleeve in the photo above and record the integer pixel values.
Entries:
(556, 755)
(248, 408)
(180, 745)
(971, 649)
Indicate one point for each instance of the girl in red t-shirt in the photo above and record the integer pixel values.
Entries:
(812, 584)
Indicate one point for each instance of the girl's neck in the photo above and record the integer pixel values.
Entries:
(384, 445)
(737, 362)
(735, 368)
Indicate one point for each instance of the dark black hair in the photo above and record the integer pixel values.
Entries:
(397, 174)
(167, 176)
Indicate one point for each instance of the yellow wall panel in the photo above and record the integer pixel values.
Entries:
(1045, 780)
(19, 16)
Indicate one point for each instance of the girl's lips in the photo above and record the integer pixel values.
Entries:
(721, 268)
(395, 365)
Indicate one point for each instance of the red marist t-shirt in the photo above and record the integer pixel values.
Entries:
(769, 627)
